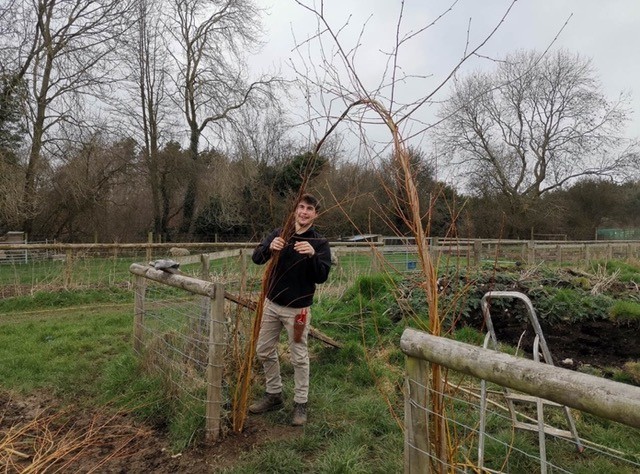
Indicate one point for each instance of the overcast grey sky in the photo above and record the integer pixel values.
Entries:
(606, 31)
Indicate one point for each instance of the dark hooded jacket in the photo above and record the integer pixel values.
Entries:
(293, 283)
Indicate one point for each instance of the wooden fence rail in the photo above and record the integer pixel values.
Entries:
(598, 396)
(475, 250)
(215, 340)
(534, 252)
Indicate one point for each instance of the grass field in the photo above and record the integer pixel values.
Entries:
(60, 349)
(76, 345)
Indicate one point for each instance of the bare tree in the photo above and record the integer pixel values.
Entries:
(11, 140)
(262, 146)
(59, 48)
(534, 124)
(10, 192)
(209, 43)
(331, 70)
(81, 193)
(144, 103)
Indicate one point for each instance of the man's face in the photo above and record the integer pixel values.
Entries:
(305, 214)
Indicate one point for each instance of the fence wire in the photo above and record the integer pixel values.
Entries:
(608, 446)
(176, 346)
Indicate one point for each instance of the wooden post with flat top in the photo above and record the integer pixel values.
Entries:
(215, 363)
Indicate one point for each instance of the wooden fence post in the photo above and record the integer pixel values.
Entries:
(204, 263)
(477, 251)
(243, 271)
(215, 363)
(149, 250)
(531, 253)
(68, 269)
(140, 288)
(375, 264)
(416, 406)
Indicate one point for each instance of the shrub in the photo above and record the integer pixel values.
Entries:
(571, 305)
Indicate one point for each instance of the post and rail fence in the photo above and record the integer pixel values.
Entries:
(204, 327)
(475, 250)
(603, 398)
(198, 337)
(182, 331)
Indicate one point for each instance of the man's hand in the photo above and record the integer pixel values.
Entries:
(305, 248)
(277, 244)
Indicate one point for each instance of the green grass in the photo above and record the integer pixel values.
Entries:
(64, 352)
(625, 312)
(85, 271)
(627, 271)
(77, 345)
(65, 298)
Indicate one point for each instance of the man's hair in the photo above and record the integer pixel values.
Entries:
(310, 199)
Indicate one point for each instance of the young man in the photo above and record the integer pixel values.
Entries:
(303, 262)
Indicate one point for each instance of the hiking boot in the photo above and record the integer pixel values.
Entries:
(299, 414)
(269, 402)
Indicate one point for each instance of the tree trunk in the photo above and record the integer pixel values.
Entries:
(189, 204)
(29, 198)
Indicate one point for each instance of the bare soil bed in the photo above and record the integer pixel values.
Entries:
(36, 432)
(599, 344)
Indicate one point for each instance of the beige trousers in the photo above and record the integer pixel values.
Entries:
(274, 318)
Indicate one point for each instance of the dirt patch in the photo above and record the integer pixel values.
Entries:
(599, 344)
(36, 433)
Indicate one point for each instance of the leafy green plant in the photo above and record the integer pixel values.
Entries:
(571, 305)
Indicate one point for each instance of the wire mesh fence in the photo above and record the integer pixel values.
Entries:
(29, 268)
(183, 334)
(174, 341)
(177, 342)
(512, 450)
(54, 267)
(195, 350)
(485, 435)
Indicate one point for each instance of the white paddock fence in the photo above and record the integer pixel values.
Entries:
(597, 400)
